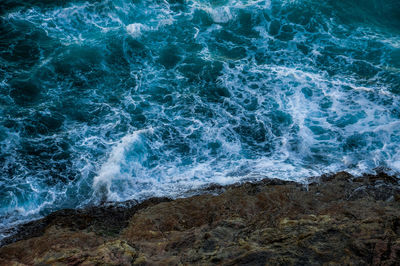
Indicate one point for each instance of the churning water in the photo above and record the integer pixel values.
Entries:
(127, 99)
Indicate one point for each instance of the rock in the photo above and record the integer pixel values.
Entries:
(337, 219)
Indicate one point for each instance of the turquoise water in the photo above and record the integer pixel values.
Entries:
(116, 100)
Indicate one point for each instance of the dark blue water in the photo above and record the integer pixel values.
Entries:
(127, 99)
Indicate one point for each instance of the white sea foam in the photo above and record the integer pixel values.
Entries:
(220, 14)
(112, 168)
(135, 29)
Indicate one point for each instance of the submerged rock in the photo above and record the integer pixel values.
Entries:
(336, 219)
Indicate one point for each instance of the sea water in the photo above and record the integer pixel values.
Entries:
(113, 100)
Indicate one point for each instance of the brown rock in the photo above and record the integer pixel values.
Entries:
(335, 220)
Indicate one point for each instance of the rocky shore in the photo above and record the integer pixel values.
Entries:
(335, 220)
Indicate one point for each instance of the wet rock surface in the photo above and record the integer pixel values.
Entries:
(335, 220)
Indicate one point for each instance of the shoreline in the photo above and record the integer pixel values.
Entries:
(336, 218)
